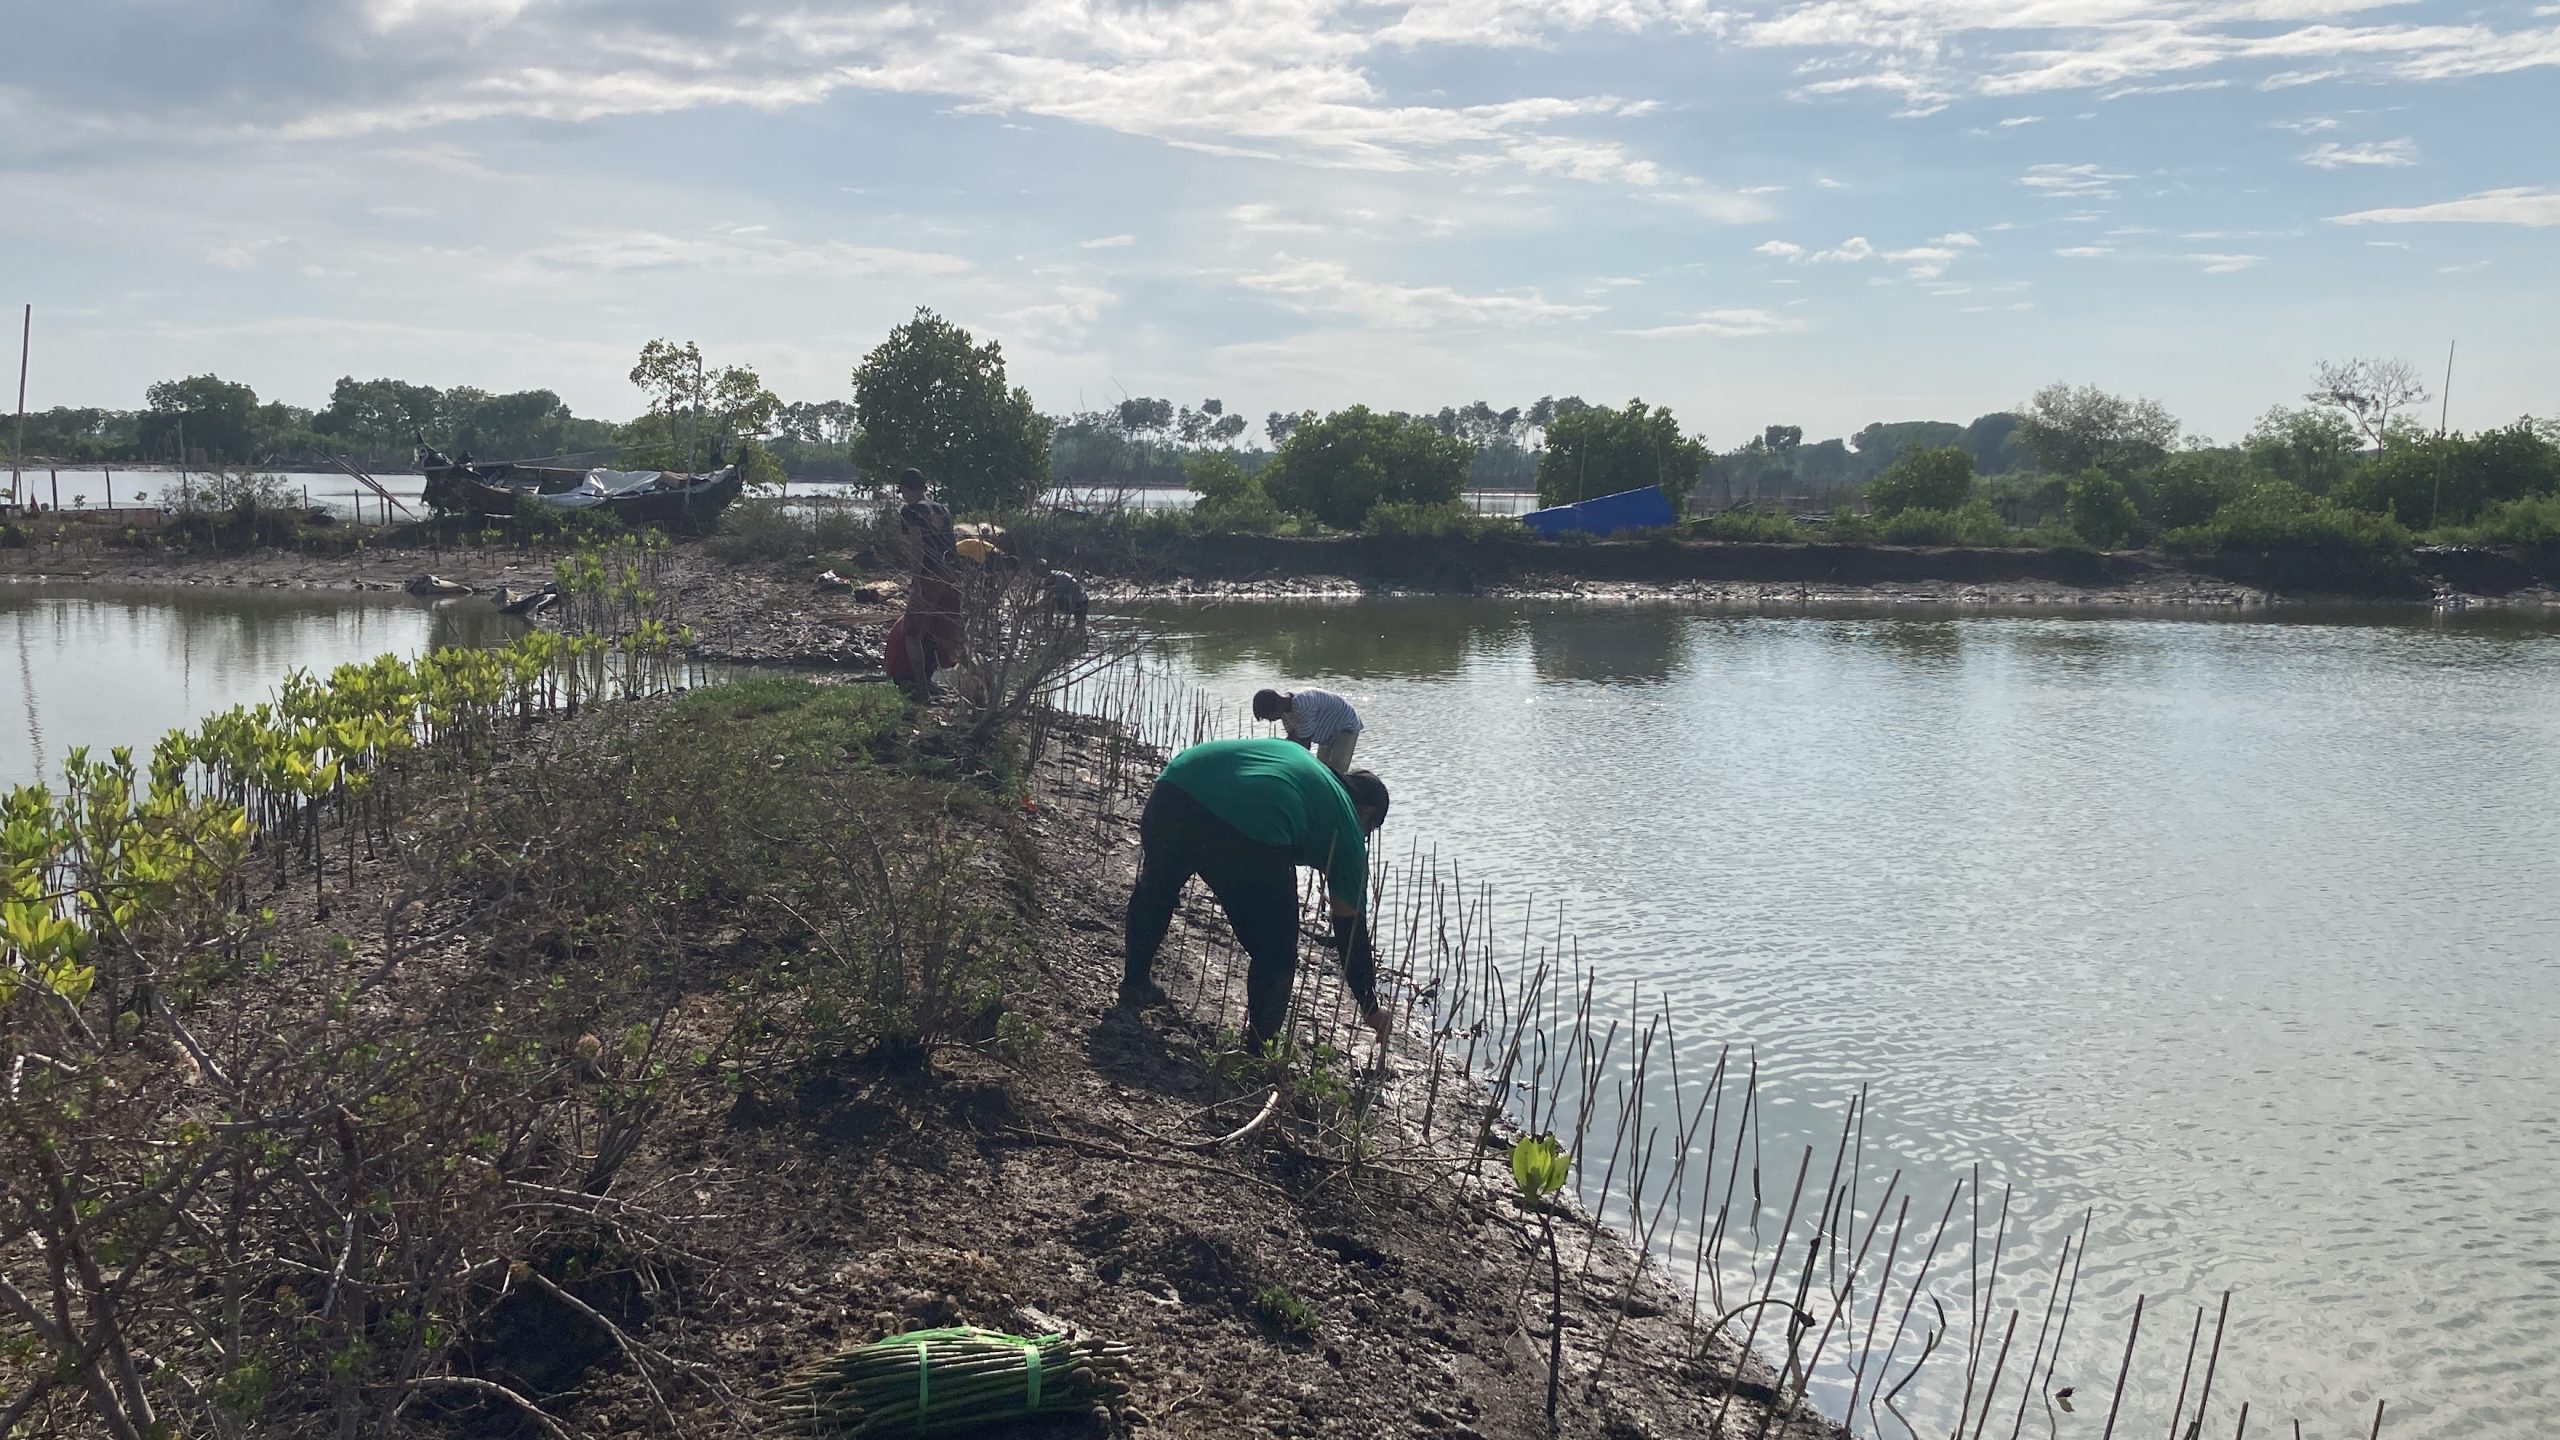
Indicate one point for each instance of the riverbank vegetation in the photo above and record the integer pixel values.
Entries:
(2340, 490)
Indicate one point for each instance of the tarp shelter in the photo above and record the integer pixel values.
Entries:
(1640, 509)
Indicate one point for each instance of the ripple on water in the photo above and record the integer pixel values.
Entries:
(2244, 938)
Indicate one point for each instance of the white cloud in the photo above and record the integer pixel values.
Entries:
(2224, 264)
(2334, 156)
(2464, 268)
(2085, 252)
(2180, 87)
(2390, 244)
(1108, 242)
(1721, 324)
(2535, 207)
(2310, 125)
(1919, 262)
(1328, 287)
(2075, 182)
(2015, 121)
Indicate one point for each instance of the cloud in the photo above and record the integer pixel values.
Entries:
(2181, 87)
(2014, 121)
(2334, 156)
(2074, 182)
(1919, 262)
(1721, 324)
(2534, 207)
(2310, 125)
(2085, 252)
(2224, 264)
(1327, 287)
(1108, 242)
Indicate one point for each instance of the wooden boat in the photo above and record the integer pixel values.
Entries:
(504, 489)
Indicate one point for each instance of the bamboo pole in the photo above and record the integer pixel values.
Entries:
(18, 447)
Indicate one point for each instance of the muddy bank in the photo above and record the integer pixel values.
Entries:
(1742, 572)
(613, 1088)
(764, 614)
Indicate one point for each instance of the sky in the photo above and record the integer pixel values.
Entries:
(1811, 212)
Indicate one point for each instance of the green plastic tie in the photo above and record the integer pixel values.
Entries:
(924, 1383)
(1031, 1381)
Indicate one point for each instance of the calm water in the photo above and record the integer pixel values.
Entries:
(2244, 935)
(123, 665)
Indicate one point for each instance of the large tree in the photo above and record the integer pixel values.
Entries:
(2069, 429)
(931, 397)
(217, 417)
(1938, 479)
(377, 416)
(705, 410)
(1340, 468)
(1595, 450)
(2367, 392)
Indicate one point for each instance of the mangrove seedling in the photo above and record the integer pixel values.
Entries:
(1539, 1168)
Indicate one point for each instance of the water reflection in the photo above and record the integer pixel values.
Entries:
(123, 665)
(2240, 931)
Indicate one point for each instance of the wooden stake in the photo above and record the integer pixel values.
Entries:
(18, 448)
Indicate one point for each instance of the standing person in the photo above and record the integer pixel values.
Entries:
(935, 632)
(1244, 815)
(1318, 719)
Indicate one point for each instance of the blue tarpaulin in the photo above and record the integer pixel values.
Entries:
(1642, 509)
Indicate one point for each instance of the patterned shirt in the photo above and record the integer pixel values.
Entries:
(1316, 716)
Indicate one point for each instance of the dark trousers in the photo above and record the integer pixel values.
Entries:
(1256, 884)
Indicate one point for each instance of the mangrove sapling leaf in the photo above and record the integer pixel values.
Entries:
(1539, 1169)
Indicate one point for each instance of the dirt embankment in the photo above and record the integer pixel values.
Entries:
(740, 613)
(1278, 1282)
(1743, 572)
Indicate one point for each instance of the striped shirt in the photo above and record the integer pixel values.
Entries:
(1316, 716)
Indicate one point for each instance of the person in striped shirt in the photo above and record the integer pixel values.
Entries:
(1318, 719)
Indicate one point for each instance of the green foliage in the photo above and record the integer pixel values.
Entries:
(1286, 1313)
(1600, 451)
(2425, 481)
(2534, 520)
(1539, 1167)
(1448, 519)
(2069, 429)
(701, 412)
(1340, 468)
(2279, 515)
(1747, 525)
(932, 398)
(1974, 523)
(1231, 498)
(2314, 449)
(1940, 479)
(217, 418)
(2101, 513)
(2188, 487)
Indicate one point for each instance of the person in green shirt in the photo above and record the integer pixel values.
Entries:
(1243, 815)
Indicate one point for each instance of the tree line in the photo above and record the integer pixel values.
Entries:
(2353, 462)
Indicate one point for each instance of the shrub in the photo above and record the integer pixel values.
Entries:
(1339, 468)
(1974, 523)
(1231, 498)
(1600, 451)
(1446, 519)
(2101, 513)
(2279, 515)
(2534, 520)
(1940, 479)
(1746, 525)
(2188, 487)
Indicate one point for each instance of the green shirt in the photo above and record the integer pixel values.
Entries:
(1276, 792)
